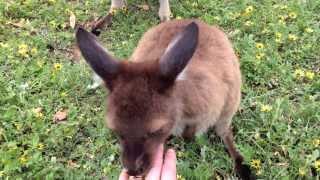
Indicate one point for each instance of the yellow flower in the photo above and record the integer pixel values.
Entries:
(278, 35)
(234, 15)
(63, 94)
(40, 146)
(283, 7)
(248, 23)
(53, 23)
(259, 172)
(276, 153)
(259, 45)
(308, 30)
(39, 115)
(278, 40)
(23, 50)
(309, 75)
(281, 22)
(292, 15)
(38, 112)
(316, 142)
(4, 45)
(124, 9)
(317, 165)
(248, 10)
(259, 55)
(292, 37)
(299, 73)
(265, 30)
(179, 177)
(179, 154)
(23, 159)
(40, 63)
(257, 135)
(282, 18)
(265, 108)
(217, 18)
(34, 51)
(302, 171)
(1, 173)
(217, 177)
(256, 164)
(18, 126)
(57, 66)
(113, 11)
(194, 4)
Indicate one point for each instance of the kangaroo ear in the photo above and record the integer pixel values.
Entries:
(97, 57)
(179, 52)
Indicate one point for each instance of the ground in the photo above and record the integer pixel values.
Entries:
(52, 126)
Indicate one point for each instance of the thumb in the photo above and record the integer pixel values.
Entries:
(169, 169)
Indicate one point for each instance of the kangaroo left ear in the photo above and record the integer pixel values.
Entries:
(106, 66)
(179, 52)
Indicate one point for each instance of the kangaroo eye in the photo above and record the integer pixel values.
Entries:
(152, 134)
(155, 133)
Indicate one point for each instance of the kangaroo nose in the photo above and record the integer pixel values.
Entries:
(139, 167)
(139, 161)
(135, 172)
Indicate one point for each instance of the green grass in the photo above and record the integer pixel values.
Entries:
(278, 122)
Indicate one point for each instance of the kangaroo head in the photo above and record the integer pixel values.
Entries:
(141, 106)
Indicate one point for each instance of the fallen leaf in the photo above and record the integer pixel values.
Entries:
(282, 164)
(60, 116)
(145, 7)
(19, 24)
(76, 54)
(37, 110)
(72, 20)
(73, 164)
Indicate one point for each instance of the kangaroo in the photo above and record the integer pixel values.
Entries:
(164, 9)
(182, 79)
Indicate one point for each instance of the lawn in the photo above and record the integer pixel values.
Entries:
(52, 126)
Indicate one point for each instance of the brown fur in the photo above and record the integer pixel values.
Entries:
(206, 94)
(213, 77)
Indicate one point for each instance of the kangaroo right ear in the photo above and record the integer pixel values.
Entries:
(97, 57)
(179, 52)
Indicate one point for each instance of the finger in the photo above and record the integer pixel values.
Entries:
(154, 173)
(135, 178)
(123, 175)
(169, 169)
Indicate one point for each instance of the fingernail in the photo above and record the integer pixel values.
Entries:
(161, 146)
(171, 151)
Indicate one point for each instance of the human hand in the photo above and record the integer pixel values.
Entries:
(162, 168)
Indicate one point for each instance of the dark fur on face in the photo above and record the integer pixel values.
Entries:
(136, 103)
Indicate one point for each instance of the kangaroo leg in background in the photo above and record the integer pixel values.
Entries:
(117, 4)
(96, 28)
(164, 10)
(102, 22)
